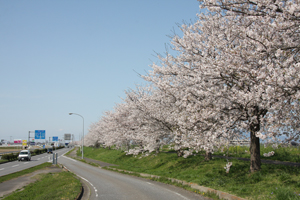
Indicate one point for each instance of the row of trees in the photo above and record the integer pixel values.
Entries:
(234, 72)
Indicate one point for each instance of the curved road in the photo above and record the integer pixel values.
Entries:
(109, 185)
(105, 184)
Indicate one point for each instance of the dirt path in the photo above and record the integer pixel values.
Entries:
(9, 150)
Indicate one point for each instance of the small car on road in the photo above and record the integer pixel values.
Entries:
(24, 155)
(49, 150)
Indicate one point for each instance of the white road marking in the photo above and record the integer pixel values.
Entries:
(70, 158)
(90, 184)
(14, 165)
(64, 153)
(2, 168)
(25, 162)
(173, 192)
(181, 195)
(95, 189)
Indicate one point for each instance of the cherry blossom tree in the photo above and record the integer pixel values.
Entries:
(239, 65)
(154, 124)
(235, 71)
(135, 121)
(265, 35)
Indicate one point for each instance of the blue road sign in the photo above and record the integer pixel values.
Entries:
(55, 139)
(40, 134)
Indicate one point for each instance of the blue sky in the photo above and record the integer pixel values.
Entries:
(64, 56)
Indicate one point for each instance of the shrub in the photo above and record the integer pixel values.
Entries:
(10, 157)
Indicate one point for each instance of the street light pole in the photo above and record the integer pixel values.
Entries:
(82, 130)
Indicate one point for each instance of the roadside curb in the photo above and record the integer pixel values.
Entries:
(80, 194)
(84, 190)
(222, 195)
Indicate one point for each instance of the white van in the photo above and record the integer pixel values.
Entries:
(24, 155)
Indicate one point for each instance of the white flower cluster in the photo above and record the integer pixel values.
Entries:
(275, 146)
(236, 71)
(134, 151)
(227, 167)
(271, 153)
(187, 153)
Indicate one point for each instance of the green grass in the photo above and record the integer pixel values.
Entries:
(62, 185)
(291, 154)
(271, 182)
(68, 153)
(23, 172)
(3, 161)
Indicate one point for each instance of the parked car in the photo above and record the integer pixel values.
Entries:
(24, 155)
(49, 150)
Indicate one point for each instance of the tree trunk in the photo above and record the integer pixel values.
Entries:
(157, 150)
(255, 162)
(179, 153)
(157, 147)
(97, 144)
(208, 156)
(141, 145)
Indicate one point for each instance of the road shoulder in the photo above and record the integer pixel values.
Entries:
(8, 187)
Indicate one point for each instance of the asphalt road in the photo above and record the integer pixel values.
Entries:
(109, 185)
(105, 184)
(11, 167)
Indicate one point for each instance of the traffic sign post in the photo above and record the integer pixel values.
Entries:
(28, 141)
(32, 142)
(40, 134)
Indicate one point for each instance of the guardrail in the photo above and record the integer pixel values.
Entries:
(240, 142)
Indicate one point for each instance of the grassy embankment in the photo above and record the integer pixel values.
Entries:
(289, 154)
(272, 182)
(62, 185)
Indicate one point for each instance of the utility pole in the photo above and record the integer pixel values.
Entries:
(28, 141)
